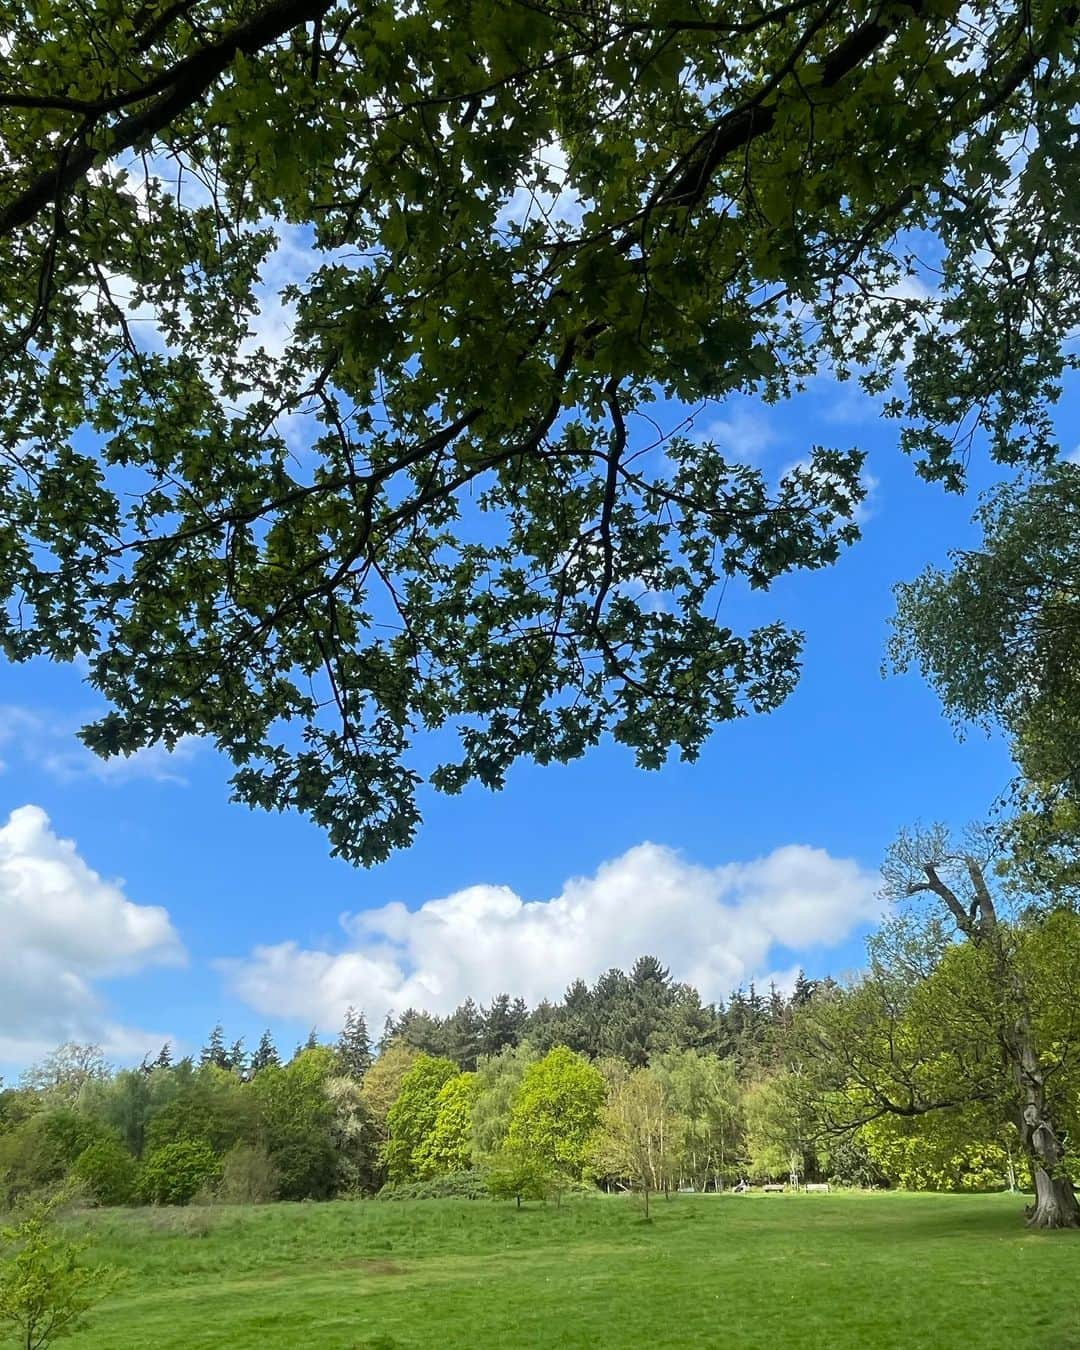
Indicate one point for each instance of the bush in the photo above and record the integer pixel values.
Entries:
(107, 1172)
(306, 1164)
(248, 1176)
(470, 1185)
(174, 1173)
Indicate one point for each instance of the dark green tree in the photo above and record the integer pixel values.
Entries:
(214, 1051)
(354, 1045)
(463, 1034)
(265, 1054)
(741, 194)
(502, 1023)
(997, 634)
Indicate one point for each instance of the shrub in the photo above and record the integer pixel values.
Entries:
(174, 1173)
(249, 1176)
(107, 1172)
(470, 1185)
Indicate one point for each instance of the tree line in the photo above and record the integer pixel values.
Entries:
(920, 1073)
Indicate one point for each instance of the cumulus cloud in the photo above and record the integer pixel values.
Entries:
(64, 927)
(714, 926)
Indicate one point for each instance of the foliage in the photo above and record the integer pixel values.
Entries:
(498, 1078)
(516, 1175)
(249, 1176)
(296, 1118)
(354, 1135)
(779, 1132)
(208, 1103)
(175, 1173)
(39, 1152)
(556, 1112)
(265, 1054)
(707, 1099)
(382, 1082)
(637, 1141)
(966, 1149)
(107, 1172)
(46, 1290)
(998, 635)
(464, 1185)
(63, 1075)
(411, 1119)
(514, 228)
(354, 1046)
(447, 1147)
(305, 1162)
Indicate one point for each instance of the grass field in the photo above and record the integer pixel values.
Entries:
(753, 1271)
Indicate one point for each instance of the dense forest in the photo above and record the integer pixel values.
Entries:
(901, 1077)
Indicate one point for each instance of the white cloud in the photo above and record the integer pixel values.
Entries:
(1073, 457)
(716, 927)
(48, 742)
(153, 762)
(865, 509)
(743, 433)
(63, 928)
(556, 202)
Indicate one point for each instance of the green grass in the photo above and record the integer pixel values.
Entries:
(837, 1271)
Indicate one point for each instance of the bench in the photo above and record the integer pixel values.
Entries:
(774, 1186)
(817, 1186)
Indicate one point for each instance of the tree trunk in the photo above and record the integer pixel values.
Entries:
(1055, 1204)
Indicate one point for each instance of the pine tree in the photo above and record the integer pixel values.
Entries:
(389, 1031)
(214, 1052)
(237, 1058)
(265, 1054)
(354, 1045)
(164, 1059)
(503, 1023)
(804, 990)
(462, 1034)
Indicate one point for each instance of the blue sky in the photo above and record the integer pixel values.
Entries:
(762, 853)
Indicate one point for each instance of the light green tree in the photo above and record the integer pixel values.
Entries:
(963, 1010)
(556, 1111)
(513, 1174)
(107, 1171)
(382, 1082)
(174, 1174)
(46, 1290)
(448, 1145)
(779, 1127)
(498, 1078)
(412, 1117)
(637, 1141)
(707, 1097)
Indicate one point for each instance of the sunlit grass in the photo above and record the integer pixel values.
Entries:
(833, 1271)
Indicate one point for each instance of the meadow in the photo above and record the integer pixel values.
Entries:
(752, 1272)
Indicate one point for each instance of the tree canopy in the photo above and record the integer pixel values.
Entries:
(330, 340)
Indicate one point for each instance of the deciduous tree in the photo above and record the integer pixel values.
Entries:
(513, 228)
